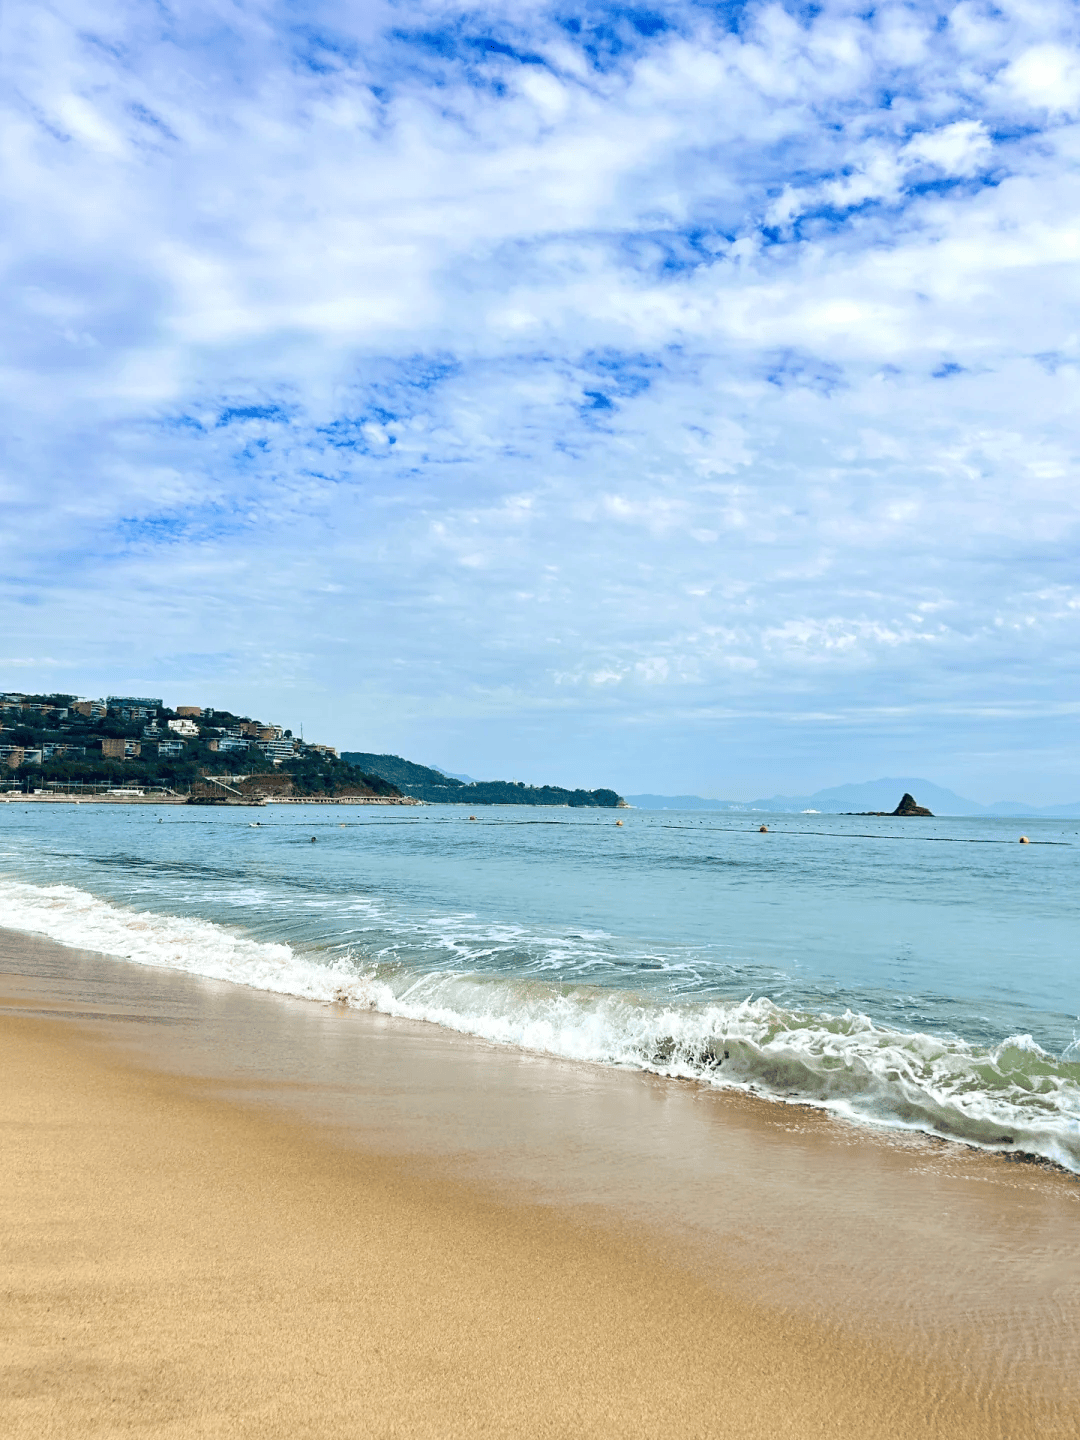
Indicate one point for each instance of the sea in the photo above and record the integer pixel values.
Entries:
(919, 974)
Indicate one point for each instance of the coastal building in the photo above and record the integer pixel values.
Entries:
(120, 749)
(184, 726)
(12, 755)
(171, 747)
(321, 749)
(92, 709)
(132, 702)
(52, 712)
(278, 749)
(258, 731)
(229, 742)
(192, 711)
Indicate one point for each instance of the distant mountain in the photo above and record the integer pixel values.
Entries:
(871, 795)
(1048, 812)
(437, 788)
(682, 802)
(453, 775)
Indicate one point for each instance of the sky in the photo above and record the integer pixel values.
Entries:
(678, 398)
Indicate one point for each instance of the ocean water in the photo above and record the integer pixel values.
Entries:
(912, 973)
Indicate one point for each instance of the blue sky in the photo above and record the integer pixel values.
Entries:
(679, 397)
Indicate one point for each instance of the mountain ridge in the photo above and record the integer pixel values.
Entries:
(881, 794)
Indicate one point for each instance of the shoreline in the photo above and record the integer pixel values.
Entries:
(719, 1269)
(553, 1022)
(16, 798)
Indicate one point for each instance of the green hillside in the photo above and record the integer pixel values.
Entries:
(58, 741)
(438, 789)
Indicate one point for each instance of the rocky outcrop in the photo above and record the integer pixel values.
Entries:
(908, 806)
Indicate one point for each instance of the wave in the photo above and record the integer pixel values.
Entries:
(1013, 1096)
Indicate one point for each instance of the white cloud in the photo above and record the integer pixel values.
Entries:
(1046, 77)
(691, 365)
(961, 148)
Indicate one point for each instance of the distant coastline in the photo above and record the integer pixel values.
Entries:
(438, 787)
(872, 797)
(135, 749)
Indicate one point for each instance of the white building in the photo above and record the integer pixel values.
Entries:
(278, 750)
(184, 726)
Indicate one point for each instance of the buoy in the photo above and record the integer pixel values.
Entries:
(763, 829)
(472, 817)
(1024, 840)
(618, 822)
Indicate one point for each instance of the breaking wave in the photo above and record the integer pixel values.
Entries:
(1012, 1096)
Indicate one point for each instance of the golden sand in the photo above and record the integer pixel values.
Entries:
(177, 1265)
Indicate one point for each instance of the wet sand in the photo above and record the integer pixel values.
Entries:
(229, 1213)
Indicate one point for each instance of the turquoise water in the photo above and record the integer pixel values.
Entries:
(904, 972)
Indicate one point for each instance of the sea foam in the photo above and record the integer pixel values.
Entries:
(1013, 1096)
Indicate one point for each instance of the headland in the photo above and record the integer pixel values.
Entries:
(135, 749)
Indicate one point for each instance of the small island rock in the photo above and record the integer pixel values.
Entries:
(908, 806)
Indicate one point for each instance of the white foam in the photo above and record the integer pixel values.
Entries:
(1013, 1096)
(74, 917)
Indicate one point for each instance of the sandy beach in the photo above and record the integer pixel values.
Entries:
(228, 1213)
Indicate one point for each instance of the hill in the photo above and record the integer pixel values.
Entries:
(60, 742)
(438, 788)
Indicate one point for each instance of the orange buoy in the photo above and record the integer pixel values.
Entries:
(763, 829)
(1024, 840)
(618, 822)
